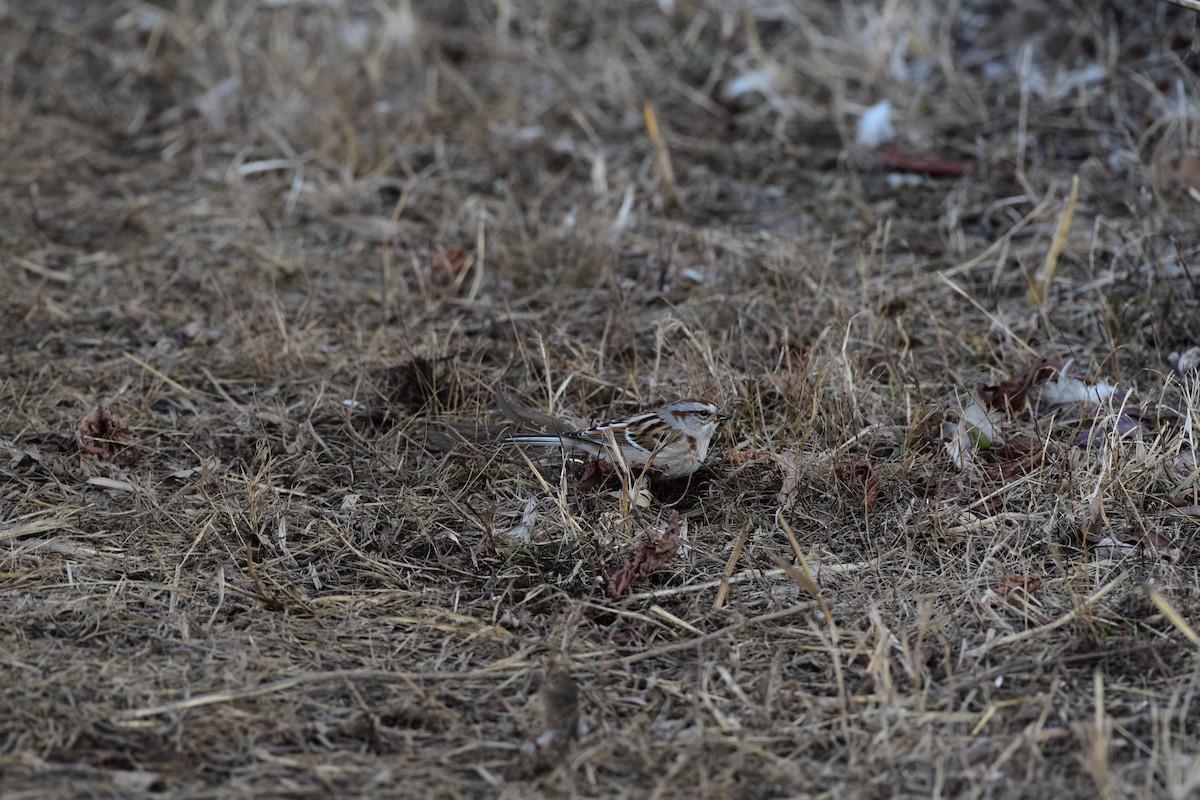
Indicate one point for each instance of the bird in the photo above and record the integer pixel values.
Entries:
(670, 442)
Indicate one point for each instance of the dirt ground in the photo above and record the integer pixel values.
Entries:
(266, 265)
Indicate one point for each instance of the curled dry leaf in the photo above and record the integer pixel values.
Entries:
(1098, 402)
(1018, 456)
(1012, 394)
(595, 473)
(788, 463)
(639, 497)
(102, 434)
(448, 265)
(1181, 508)
(651, 555)
(1068, 388)
(1151, 545)
(863, 474)
(1019, 586)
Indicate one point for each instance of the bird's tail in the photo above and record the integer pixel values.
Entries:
(534, 439)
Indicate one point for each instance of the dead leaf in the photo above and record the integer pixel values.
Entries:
(447, 265)
(862, 473)
(1020, 586)
(1153, 545)
(788, 463)
(1018, 456)
(594, 474)
(1187, 361)
(184, 474)
(1163, 545)
(560, 699)
(640, 496)
(1018, 447)
(651, 555)
(1012, 394)
(102, 434)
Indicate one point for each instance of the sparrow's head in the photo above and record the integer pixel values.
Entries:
(694, 417)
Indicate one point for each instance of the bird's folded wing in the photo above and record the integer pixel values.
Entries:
(648, 432)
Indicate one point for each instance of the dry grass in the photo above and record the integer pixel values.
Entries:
(294, 245)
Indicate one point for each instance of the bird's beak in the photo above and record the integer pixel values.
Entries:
(721, 415)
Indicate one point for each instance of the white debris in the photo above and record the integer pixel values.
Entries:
(523, 533)
(1187, 361)
(1067, 388)
(875, 126)
(903, 180)
(976, 428)
(760, 80)
(624, 217)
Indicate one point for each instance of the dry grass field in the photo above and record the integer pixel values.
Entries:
(267, 264)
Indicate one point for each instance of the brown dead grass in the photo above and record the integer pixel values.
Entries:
(296, 246)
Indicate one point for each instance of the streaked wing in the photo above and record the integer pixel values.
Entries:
(646, 433)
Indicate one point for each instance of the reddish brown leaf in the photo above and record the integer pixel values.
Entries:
(446, 265)
(788, 463)
(1017, 447)
(860, 472)
(1018, 456)
(1022, 585)
(1011, 394)
(651, 555)
(595, 473)
(1007, 470)
(1150, 542)
(892, 158)
(102, 434)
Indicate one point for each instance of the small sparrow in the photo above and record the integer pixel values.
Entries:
(669, 442)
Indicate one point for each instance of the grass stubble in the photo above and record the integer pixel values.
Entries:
(296, 247)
